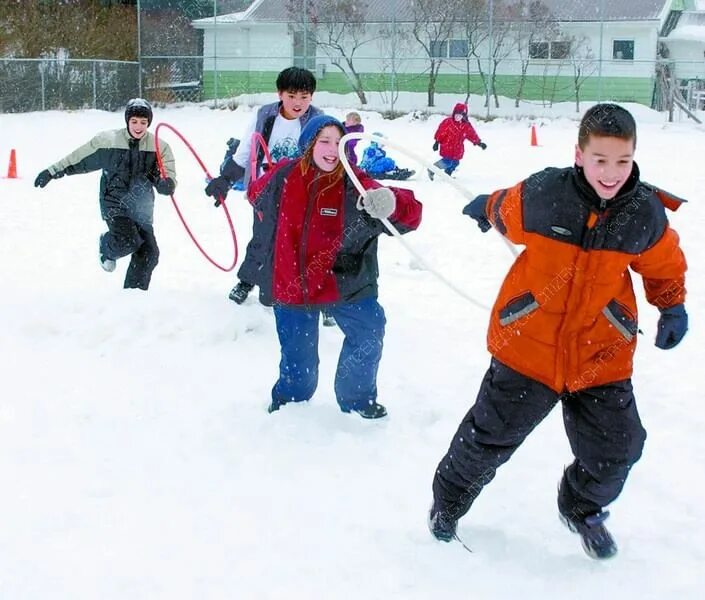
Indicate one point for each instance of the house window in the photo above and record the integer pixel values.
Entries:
(458, 49)
(560, 49)
(538, 50)
(544, 50)
(305, 50)
(623, 49)
(439, 49)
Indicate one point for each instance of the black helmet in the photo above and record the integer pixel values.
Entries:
(138, 107)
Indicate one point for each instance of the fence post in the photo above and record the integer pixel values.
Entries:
(41, 77)
(95, 84)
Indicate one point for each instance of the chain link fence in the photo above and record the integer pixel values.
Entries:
(46, 84)
(200, 50)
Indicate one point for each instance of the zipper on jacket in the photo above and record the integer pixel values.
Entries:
(304, 237)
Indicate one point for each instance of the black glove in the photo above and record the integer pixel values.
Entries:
(165, 186)
(218, 187)
(435, 146)
(477, 209)
(482, 145)
(45, 177)
(232, 145)
(672, 325)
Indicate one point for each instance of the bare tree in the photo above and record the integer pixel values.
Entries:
(395, 46)
(474, 25)
(502, 43)
(533, 24)
(339, 29)
(433, 24)
(582, 59)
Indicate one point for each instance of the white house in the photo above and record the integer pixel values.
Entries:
(611, 47)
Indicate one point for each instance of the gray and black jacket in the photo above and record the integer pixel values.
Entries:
(129, 168)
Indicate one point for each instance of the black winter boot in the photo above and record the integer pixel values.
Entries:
(597, 541)
(239, 293)
(107, 264)
(328, 319)
(372, 410)
(442, 525)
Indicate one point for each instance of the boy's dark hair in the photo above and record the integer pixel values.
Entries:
(606, 120)
(296, 79)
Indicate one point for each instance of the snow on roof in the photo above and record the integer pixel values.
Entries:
(382, 11)
(692, 33)
(235, 17)
(691, 27)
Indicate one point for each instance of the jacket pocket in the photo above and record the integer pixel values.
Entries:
(622, 319)
(518, 307)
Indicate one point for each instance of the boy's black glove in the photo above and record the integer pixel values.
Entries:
(482, 145)
(232, 145)
(165, 186)
(218, 188)
(435, 146)
(45, 177)
(477, 209)
(672, 325)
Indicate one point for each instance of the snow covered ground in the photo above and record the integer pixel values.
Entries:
(137, 459)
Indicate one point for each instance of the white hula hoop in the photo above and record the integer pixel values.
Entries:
(355, 135)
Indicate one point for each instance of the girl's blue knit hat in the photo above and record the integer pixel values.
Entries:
(314, 125)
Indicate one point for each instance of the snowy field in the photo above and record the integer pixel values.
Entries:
(137, 459)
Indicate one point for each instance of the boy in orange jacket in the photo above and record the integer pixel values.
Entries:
(564, 326)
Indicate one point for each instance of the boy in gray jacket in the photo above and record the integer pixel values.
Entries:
(128, 159)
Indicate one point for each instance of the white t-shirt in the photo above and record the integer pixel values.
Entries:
(283, 141)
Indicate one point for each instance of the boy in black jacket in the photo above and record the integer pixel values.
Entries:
(128, 159)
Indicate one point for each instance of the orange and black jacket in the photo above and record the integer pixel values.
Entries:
(566, 314)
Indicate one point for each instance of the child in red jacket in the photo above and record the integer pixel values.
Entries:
(317, 244)
(450, 137)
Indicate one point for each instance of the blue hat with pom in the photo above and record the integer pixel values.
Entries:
(314, 125)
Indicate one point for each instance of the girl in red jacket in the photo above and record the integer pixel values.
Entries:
(450, 138)
(317, 244)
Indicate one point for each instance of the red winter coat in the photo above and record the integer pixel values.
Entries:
(451, 135)
(315, 246)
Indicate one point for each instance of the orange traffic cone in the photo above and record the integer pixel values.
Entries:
(534, 140)
(12, 167)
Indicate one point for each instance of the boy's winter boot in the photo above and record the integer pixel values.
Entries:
(440, 164)
(399, 174)
(239, 293)
(442, 525)
(328, 319)
(372, 410)
(597, 541)
(107, 264)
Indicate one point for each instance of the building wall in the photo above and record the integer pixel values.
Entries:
(688, 56)
(250, 54)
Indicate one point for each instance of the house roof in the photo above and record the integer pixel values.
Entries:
(691, 28)
(384, 11)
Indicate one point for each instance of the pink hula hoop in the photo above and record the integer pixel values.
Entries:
(176, 206)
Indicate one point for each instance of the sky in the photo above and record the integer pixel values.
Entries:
(137, 458)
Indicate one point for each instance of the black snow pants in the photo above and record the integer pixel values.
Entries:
(602, 424)
(126, 236)
(249, 271)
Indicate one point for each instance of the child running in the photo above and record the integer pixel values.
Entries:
(564, 326)
(318, 248)
(128, 159)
